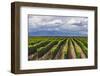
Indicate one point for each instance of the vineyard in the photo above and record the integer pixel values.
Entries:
(51, 48)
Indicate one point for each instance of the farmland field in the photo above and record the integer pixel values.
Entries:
(51, 48)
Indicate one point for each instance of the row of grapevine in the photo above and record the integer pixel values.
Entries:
(32, 43)
(71, 50)
(78, 50)
(67, 48)
(33, 48)
(53, 52)
(41, 51)
(84, 41)
(56, 49)
(83, 47)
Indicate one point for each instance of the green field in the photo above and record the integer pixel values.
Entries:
(51, 48)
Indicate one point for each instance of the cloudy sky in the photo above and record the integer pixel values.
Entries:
(41, 25)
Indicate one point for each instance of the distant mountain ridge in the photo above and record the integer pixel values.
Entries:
(55, 33)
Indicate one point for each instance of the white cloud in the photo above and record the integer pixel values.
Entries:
(73, 20)
(57, 23)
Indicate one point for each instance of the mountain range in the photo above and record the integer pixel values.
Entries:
(55, 33)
